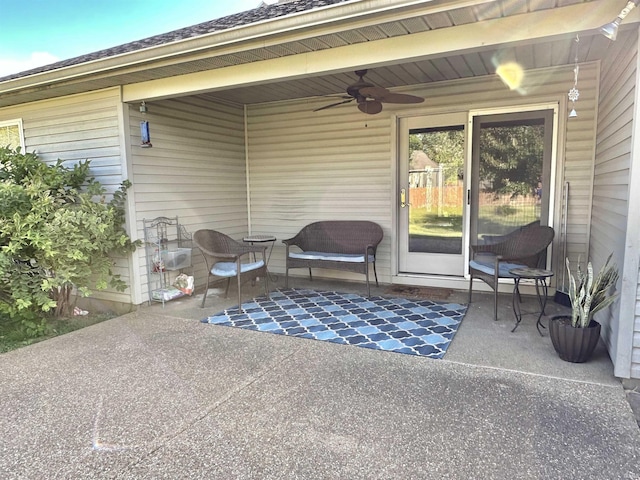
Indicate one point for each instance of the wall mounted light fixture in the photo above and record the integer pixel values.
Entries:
(144, 135)
(144, 128)
(610, 30)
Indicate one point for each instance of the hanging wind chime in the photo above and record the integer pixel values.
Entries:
(574, 93)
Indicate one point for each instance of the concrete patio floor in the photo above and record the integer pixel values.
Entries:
(157, 394)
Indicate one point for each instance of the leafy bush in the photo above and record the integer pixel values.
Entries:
(57, 232)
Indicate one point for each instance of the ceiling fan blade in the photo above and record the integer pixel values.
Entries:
(383, 95)
(334, 105)
(400, 98)
(370, 106)
(374, 92)
(344, 97)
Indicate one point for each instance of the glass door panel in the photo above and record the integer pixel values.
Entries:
(436, 158)
(511, 173)
(432, 196)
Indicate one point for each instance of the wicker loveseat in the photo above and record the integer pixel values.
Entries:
(337, 244)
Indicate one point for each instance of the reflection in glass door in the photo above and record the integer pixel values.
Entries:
(432, 194)
(511, 172)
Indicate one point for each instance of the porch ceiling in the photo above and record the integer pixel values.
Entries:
(226, 48)
(453, 67)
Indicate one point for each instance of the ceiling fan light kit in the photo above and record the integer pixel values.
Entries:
(370, 97)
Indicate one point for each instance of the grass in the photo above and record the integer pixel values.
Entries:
(494, 219)
(11, 337)
(423, 222)
(501, 219)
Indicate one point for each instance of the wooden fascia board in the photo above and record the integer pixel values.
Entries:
(512, 30)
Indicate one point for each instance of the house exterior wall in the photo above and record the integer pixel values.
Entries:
(341, 164)
(75, 128)
(614, 203)
(195, 170)
(306, 166)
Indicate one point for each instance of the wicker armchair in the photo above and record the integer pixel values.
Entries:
(223, 257)
(493, 259)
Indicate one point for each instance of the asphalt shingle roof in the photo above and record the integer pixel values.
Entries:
(260, 13)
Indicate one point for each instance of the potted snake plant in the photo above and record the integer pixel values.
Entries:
(575, 337)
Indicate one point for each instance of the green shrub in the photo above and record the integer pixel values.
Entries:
(57, 232)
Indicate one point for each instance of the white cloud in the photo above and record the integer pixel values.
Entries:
(9, 66)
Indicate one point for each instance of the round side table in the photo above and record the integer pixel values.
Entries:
(540, 277)
(263, 239)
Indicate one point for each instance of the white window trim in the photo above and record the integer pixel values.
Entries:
(16, 122)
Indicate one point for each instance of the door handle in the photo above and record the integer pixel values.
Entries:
(403, 198)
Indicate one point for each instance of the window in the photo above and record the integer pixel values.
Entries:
(11, 134)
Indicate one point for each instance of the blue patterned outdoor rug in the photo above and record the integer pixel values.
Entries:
(414, 327)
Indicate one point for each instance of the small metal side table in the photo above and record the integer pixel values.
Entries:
(540, 277)
(263, 239)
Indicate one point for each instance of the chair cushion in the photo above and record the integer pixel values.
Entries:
(488, 268)
(229, 269)
(333, 257)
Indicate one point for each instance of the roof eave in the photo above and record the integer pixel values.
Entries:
(276, 27)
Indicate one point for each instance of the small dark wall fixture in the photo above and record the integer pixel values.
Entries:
(144, 135)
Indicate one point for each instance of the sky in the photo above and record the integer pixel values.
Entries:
(38, 32)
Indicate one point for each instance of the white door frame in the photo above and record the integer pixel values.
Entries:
(453, 281)
(554, 157)
(417, 262)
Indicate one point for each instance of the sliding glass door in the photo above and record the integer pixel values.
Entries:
(511, 172)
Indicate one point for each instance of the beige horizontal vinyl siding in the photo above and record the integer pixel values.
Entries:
(340, 163)
(613, 210)
(76, 128)
(306, 167)
(195, 170)
(612, 170)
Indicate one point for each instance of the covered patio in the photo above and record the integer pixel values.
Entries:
(240, 141)
(282, 160)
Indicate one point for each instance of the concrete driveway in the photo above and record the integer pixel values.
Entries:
(157, 394)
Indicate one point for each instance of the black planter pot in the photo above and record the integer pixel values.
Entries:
(573, 344)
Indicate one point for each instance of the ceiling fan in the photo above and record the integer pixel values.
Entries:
(369, 97)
